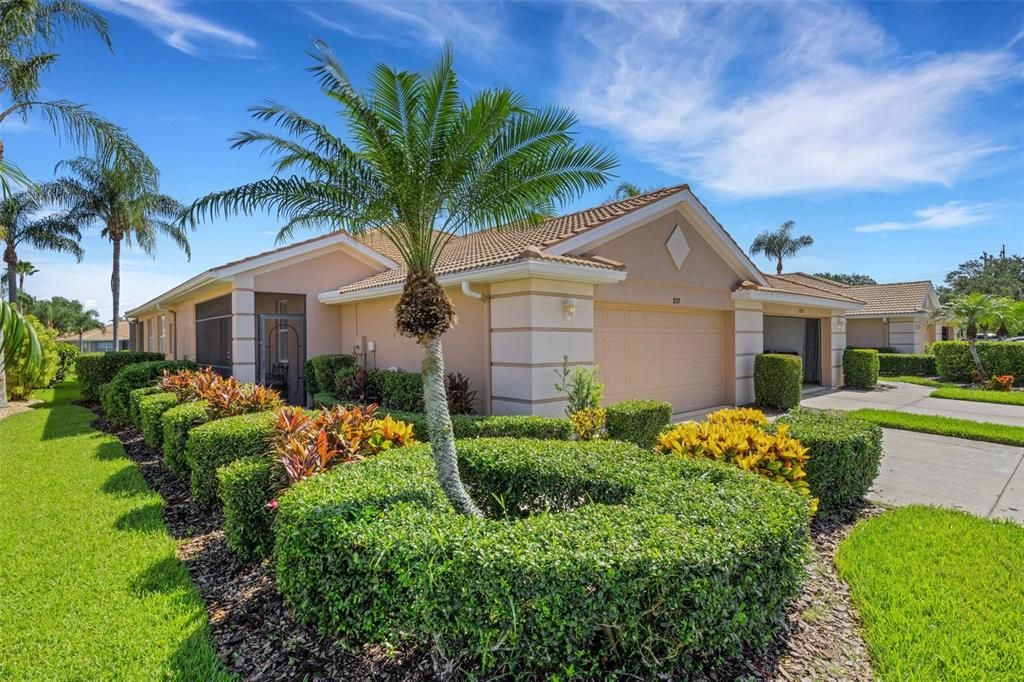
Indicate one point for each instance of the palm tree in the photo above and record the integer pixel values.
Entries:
(57, 232)
(625, 190)
(128, 205)
(28, 29)
(83, 321)
(15, 333)
(25, 269)
(780, 243)
(972, 312)
(419, 164)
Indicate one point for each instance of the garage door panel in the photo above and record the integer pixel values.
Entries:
(662, 355)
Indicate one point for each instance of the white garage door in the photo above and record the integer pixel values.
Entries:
(661, 355)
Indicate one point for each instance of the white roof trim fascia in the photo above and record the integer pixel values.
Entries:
(794, 299)
(185, 287)
(360, 251)
(872, 316)
(619, 226)
(495, 273)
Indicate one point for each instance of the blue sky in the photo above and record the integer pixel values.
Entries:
(893, 133)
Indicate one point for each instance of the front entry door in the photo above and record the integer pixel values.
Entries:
(281, 356)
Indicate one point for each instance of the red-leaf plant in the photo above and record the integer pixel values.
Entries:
(188, 385)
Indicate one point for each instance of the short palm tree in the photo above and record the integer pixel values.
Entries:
(128, 207)
(15, 334)
(25, 269)
(419, 164)
(780, 243)
(625, 190)
(82, 321)
(972, 312)
(20, 226)
(29, 30)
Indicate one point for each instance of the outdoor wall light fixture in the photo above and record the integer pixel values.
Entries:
(569, 308)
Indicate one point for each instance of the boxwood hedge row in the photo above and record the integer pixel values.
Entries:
(598, 559)
(906, 364)
(245, 487)
(638, 421)
(219, 442)
(96, 369)
(117, 396)
(778, 380)
(860, 367)
(176, 424)
(151, 413)
(133, 402)
(953, 359)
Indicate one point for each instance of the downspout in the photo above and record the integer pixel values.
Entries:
(485, 402)
(468, 291)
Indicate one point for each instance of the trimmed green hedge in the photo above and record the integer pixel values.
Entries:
(96, 369)
(116, 400)
(222, 441)
(320, 371)
(778, 380)
(245, 487)
(953, 359)
(906, 365)
(133, 402)
(400, 390)
(844, 458)
(151, 413)
(177, 422)
(880, 349)
(597, 560)
(860, 368)
(638, 421)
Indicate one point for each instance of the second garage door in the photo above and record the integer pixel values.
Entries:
(661, 355)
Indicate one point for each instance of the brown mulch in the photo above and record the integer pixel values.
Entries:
(258, 638)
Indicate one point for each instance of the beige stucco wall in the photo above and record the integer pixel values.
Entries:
(869, 333)
(465, 345)
(704, 281)
(182, 314)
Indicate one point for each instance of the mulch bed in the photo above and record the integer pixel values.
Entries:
(257, 637)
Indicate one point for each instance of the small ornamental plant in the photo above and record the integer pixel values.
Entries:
(773, 455)
(1001, 382)
(738, 415)
(225, 397)
(188, 385)
(588, 423)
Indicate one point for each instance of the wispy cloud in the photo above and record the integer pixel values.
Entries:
(179, 28)
(947, 216)
(476, 28)
(778, 98)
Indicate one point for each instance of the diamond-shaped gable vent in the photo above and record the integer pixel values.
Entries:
(677, 247)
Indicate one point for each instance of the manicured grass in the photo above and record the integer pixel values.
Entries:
(920, 381)
(944, 426)
(980, 395)
(940, 594)
(90, 587)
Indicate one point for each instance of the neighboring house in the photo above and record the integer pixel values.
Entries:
(101, 340)
(651, 289)
(895, 315)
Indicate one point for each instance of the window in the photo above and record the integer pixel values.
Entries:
(162, 323)
(282, 332)
(149, 335)
(213, 334)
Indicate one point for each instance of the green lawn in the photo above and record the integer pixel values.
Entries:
(943, 426)
(940, 594)
(955, 392)
(90, 587)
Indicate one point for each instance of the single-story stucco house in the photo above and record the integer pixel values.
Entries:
(102, 340)
(651, 289)
(896, 315)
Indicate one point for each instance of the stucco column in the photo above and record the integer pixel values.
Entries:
(532, 329)
(243, 330)
(906, 335)
(747, 344)
(837, 342)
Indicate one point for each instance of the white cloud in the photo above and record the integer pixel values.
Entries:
(761, 100)
(180, 29)
(947, 216)
(476, 28)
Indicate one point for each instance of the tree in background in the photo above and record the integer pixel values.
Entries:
(780, 243)
(60, 313)
(127, 205)
(29, 30)
(1000, 275)
(974, 313)
(21, 227)
(25, 269)
(853, 279)
(419, 164)
(83, 321)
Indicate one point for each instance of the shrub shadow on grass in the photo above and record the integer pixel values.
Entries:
(60, 424)
(109, 451)
(165, 576)
(195, 659)
(144, 519)
(127, 482)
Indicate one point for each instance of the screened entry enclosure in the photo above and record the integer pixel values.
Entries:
(799, 336)
(281, 344)
(213, 334)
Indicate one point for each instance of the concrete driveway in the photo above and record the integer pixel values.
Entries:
(914, 399)
(981, 478)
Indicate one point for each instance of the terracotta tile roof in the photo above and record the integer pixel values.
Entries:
(105, 334)
(897, 298)
(794, 286)
(495, 246)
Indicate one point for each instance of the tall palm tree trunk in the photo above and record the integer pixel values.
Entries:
(439, 423)
(115, 285)
(3, 375)
(973, 348)
(12, 276)
(778, 265)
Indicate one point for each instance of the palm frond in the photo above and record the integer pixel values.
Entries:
(17, 333)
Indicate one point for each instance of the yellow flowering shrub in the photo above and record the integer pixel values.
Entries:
(588, 423)
(773, 455)
(741, 415)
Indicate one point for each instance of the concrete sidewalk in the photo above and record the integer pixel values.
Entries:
(981, 478)
(914, 399)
